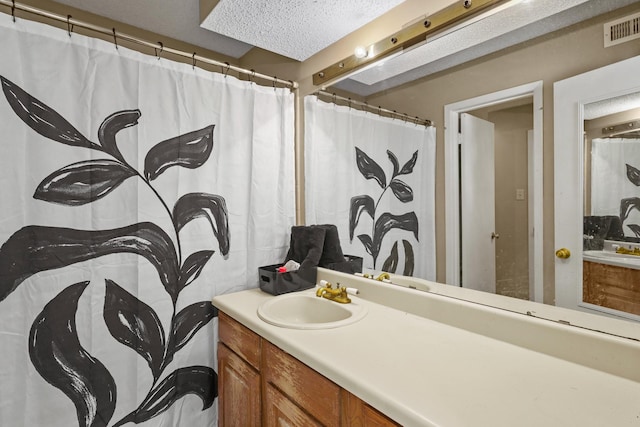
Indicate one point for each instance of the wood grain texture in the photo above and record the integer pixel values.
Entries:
(611, 286)
(240, 339)
(239, 398)
(282, 412)
(357, 413)
(318, 396)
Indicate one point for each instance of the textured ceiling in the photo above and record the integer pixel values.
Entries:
(178, 19)
(524, 20)
(293, 28)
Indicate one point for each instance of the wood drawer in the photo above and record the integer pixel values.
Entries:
(240, 339)
(319, 396)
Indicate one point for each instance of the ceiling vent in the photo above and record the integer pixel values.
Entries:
(622, 30)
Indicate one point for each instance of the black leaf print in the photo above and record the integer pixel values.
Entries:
(358, 205)
(635, 228)
(387, 222)
(633, 175)
(187, 322)
(366, 241)
(408, 167)
(391, 263)
(394, 161)
(190, 150)
(192, 267)
(199, 380)
(627, 205)
(53, 344)
(401, 190)
(114, 124)
(409, 258)
(83, 182)
(34, 248)
(57, 355)
(210, 206)
(41, 118)
(134, 324)
(369, 168)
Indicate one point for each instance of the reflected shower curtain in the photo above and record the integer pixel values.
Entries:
(374, 177)
(134, 189)
(615, 181)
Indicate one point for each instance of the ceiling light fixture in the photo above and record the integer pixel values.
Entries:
(360, 52)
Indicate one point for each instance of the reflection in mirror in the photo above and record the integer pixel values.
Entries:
(611, 234)
(424, 89)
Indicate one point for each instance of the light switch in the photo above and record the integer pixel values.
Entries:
(520, 194)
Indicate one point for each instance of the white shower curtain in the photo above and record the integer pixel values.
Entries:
(615, 181)
(374, 177)
(134, 189)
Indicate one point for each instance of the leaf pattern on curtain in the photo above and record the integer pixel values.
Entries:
(386, 221)
(54, 346)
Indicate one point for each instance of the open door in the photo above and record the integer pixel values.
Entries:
(477, 203)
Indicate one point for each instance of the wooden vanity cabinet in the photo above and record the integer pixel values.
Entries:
(611, 286)
(260, 384)
(239, 386)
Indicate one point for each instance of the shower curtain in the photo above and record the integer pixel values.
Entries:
(374, 177)
(134, 189)
(615, 178)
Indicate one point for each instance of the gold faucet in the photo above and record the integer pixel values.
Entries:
(337, 295)
(383, 276)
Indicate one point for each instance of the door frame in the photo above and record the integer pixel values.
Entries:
(452, 181)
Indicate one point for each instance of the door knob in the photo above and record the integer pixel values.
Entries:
(563, 253)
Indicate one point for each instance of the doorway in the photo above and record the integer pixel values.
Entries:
(516, 260)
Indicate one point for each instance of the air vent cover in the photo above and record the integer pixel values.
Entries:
(622, 30)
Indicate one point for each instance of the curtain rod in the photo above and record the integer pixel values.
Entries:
(349, 101)
(225, 66)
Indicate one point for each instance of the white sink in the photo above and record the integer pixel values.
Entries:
(307, 311)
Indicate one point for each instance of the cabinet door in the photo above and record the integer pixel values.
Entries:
(281, 412)
(356, 413)
(238, 391)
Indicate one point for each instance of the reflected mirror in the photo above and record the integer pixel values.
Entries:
(611, 238)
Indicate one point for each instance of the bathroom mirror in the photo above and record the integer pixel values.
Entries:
(611, 234)
(549, 61)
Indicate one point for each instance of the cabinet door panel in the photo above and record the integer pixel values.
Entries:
(240, 339)
(239, 391)
(319, 396)
(356, 413)
(281, 412)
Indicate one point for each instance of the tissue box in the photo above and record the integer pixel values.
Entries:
(275, 283)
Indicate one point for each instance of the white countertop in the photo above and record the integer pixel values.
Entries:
(422, 372)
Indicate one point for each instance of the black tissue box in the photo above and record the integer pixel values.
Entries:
(275, 283)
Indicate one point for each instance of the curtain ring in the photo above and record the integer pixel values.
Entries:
(406, 118)
(274, 82)
(349, 103)
(225, 72)
(334, 98)
(379, 110)
(393, 116)
(417, 121)
(115, 39)
(193, 61)
(13, 10)
(69, 25)
(252, 76)
(156, 50)
(365, 107)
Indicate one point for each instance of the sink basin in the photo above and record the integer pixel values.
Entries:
(307, 311)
